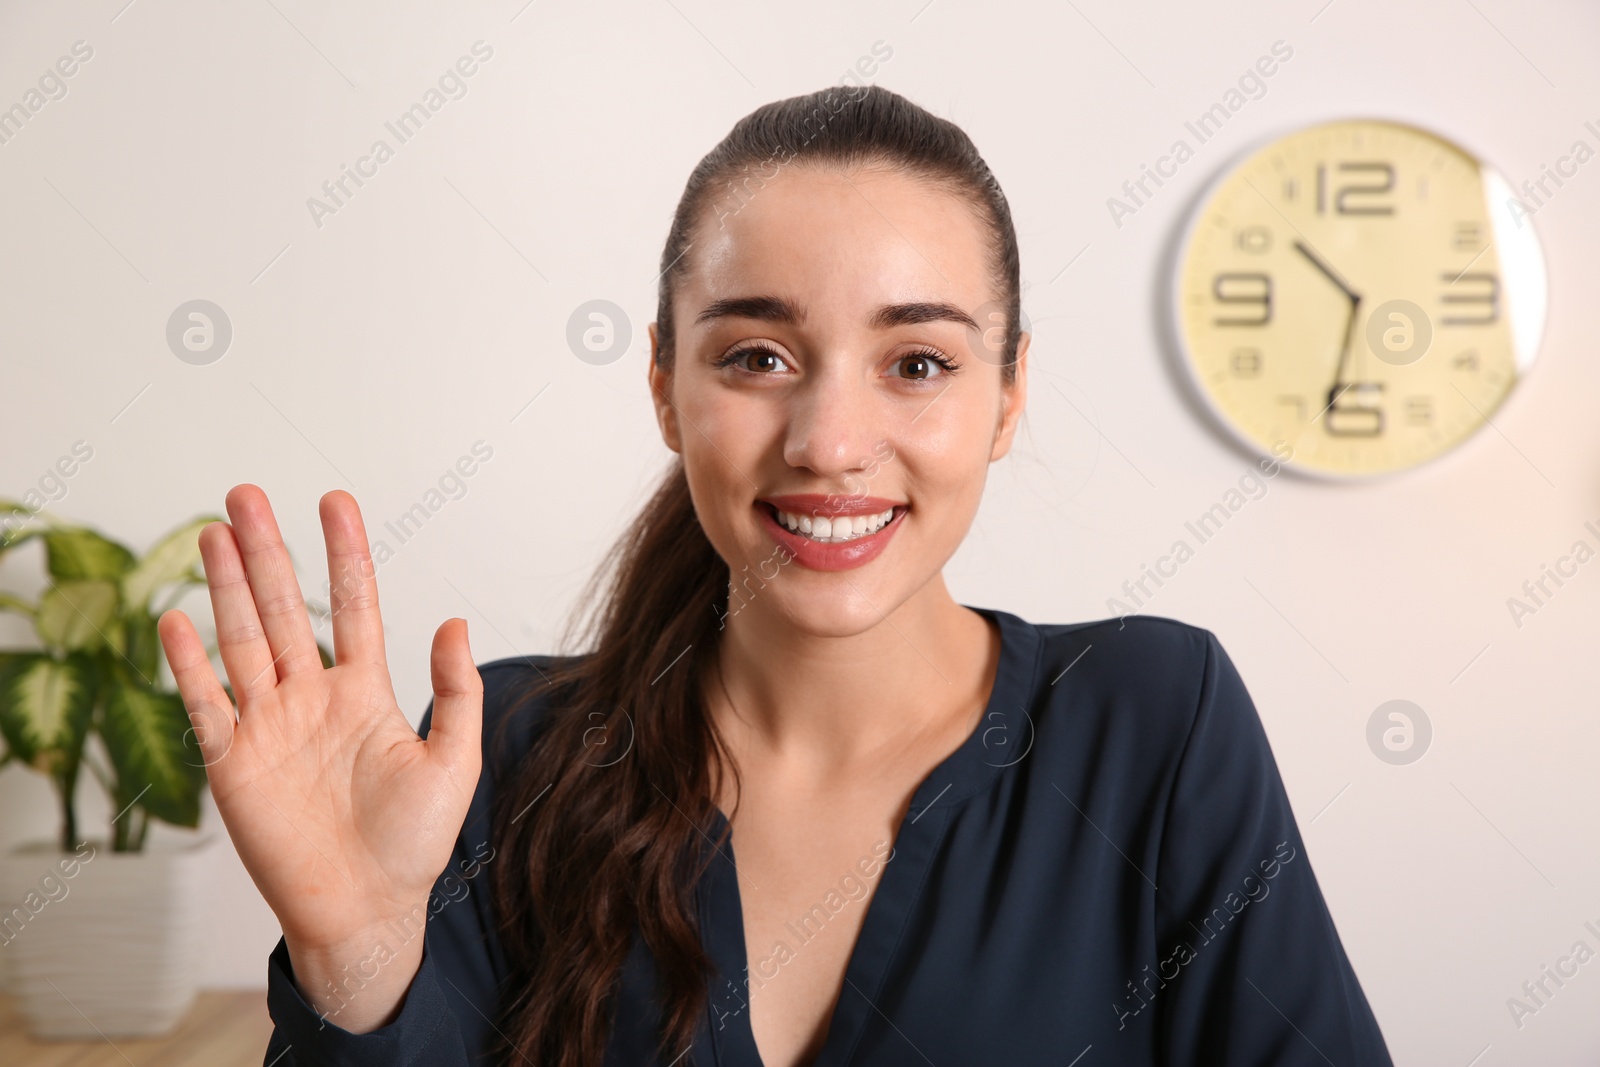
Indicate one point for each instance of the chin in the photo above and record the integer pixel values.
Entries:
(826, 607)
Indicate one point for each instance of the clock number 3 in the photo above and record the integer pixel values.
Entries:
(1488, 295)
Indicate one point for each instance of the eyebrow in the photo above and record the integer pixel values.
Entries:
(779, 309)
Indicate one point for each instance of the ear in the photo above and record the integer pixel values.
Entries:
(660, 389)
(1015, 398)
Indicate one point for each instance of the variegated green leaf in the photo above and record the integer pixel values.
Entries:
(171, 560)
(76, 615)
(139, 644)
(149, 740)
(45, 705)
(75, 552)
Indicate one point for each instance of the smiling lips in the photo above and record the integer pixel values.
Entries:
(829, 532)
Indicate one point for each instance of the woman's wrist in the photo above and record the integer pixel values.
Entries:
(359, 982)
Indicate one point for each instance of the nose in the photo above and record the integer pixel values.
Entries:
(834, 421)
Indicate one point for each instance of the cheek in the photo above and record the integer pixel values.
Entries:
(951, 492)
(948, 457)
(721, 461)
(723, 428)
(713, 489)
(942, 469)
(965, 416)
(709, 439)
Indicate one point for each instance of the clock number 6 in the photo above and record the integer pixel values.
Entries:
(1249, 288)
(1361, 415)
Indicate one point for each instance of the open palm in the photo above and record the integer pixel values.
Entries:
(343, 816)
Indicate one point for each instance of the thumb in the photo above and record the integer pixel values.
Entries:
(457, 724)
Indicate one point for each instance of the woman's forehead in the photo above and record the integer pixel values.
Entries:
(826, 241)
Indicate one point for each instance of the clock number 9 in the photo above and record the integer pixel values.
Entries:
(1352, 189)
(1249, 288)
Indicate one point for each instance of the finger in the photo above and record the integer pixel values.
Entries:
(240, 638)
(352, 578)
(210, 711)
(457, 723)
(279, 605)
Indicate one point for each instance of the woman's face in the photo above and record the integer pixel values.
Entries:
(829, 365)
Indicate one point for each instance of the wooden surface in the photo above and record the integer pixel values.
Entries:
(221, 1030)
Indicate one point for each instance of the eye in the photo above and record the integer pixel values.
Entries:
(753, 359)
(925, 364)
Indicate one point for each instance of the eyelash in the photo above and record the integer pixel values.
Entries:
(948, 365)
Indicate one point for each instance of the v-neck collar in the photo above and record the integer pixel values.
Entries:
(997, 742)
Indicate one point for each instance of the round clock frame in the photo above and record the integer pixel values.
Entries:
(1516, 293)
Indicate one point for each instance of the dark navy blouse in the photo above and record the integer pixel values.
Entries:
(1105, 872)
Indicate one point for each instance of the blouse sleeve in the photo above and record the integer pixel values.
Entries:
(444, 1020)
(425, 1032)
(1250, 970)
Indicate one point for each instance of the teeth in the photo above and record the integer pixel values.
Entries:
(837, 528)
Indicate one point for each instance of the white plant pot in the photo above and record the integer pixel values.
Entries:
(101, 943)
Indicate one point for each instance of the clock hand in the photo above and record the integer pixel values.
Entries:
(1344, 351)
(1332, 274)
(1354, 297)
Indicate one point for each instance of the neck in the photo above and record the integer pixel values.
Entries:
(827, 706)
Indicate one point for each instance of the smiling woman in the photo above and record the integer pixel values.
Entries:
(1066, 806)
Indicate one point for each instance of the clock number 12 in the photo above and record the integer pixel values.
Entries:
(1347, 189)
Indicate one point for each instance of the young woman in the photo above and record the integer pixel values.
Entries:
(795, 804)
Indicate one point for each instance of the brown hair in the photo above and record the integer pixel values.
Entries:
(623, 771)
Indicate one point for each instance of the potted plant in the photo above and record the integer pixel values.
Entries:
(100, 937)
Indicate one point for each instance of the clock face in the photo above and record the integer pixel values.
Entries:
(1358, 297)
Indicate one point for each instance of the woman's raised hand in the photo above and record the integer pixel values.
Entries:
(341, 813)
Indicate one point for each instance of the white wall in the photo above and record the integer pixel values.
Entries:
(373, 351)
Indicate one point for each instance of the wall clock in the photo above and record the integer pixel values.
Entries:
(1357, 297)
